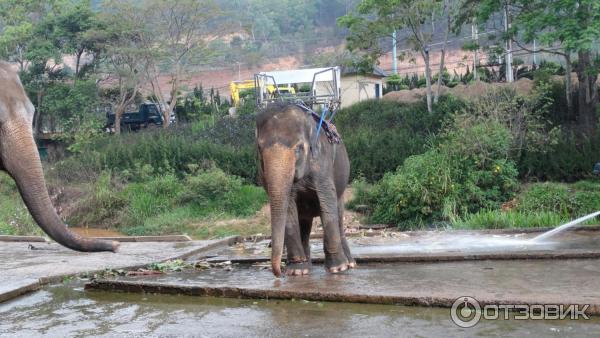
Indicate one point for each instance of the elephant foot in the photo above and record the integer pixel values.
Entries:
(297, 269)
(338, 263)
(351, 262)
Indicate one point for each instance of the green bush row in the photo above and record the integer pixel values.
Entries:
(380, 135)
(227, 144)
(164, 203)
(467, 171)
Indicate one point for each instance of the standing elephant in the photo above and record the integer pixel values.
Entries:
(304, 180)
(19, 157)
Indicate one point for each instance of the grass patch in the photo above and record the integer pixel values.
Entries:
(14, 217)
(497, 219)
(547, 204)
(163, 204)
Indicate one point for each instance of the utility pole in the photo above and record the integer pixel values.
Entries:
(475, 37)
(509, 71)
(534, 53)
(395, 61)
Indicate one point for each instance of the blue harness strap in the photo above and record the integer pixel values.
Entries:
(323, 114)
(322, 123)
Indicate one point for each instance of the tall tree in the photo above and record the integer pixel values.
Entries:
(26, 38)
(124, 58)
(446, 15)
(572, 26)
(180, 30)
(18, 19)
(564, 27)
(77, 32)
(378, 19)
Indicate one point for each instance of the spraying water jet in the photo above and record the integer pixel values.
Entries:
(564, 227)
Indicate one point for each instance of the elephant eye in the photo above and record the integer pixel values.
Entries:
(300, 149)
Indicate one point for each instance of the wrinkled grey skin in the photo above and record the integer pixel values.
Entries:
(20, 159)
(302, 184)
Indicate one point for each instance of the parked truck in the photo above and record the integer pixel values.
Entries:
(148, 115)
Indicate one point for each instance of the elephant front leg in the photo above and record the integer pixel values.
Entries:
(297, 262)
(335, 257)
(345, 247)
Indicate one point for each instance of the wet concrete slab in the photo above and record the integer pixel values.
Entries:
(573, 281)
(25, 266)
(67, 310)
(433, 246)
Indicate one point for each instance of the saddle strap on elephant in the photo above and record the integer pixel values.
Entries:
(327, 126)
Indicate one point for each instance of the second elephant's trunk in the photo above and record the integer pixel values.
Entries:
(278, 162)
(21, 160)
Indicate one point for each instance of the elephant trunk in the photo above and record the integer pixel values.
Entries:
(21, 160)
(279, 174)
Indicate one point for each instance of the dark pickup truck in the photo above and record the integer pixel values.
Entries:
(147, 116)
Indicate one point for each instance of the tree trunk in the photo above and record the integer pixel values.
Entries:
(587, 118)
(425, 54)
(37, 128)
(171, 107)
(443, 56)
(568, 85)
(118, 114)
(77, 64)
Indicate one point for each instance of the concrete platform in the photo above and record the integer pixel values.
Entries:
(432, 246)
(572, 281)
(26, 266)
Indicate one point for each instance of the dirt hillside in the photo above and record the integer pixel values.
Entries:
(467, 92)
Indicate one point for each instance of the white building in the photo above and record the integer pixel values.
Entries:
(358, 87)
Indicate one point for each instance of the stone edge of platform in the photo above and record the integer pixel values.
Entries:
(406, 299)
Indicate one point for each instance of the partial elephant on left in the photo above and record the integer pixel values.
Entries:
(19, 157)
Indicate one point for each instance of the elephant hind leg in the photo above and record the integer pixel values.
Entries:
(305, 229)
(345, 247)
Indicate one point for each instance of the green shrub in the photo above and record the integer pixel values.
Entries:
(102, 205)
(15, 219)
(418, 191)
(152, 197)
(466, 171)
(539, 205)
(379, 135)
(568, 160)
(362, 192)
(566, 157)
(214, 192)
(229, 144)
(498, 219)
(208, 186)
(568, 201)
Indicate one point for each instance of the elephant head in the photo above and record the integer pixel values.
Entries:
(20, 159)
(283, 134)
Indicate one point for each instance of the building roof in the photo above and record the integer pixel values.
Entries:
(301, 75)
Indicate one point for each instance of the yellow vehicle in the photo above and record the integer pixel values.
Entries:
(236, 86)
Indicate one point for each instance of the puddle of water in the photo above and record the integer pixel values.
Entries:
(68, 310)
(435, 242)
